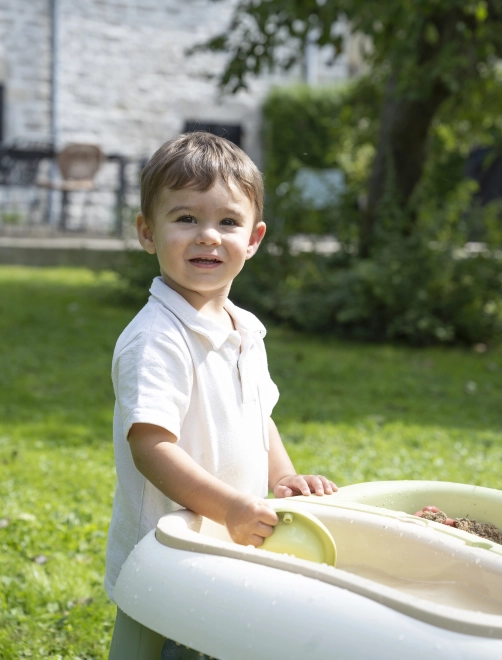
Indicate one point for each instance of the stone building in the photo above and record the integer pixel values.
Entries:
(115, 73)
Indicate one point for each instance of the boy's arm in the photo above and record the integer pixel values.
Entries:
(282, 477)
(170, 469)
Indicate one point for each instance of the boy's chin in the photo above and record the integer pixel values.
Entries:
(205, 289)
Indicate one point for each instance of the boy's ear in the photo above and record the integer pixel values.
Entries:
(255, 239)
(145, 234)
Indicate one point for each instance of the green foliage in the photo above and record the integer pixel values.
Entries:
(421, 289)
(337, 127)
(401, 135)
(11, 217)
(414, 287)
(318, 128)
(407, 292)
(423, 54)
(426, 42)
(136, 272)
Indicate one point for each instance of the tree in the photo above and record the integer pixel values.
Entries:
(424, 51)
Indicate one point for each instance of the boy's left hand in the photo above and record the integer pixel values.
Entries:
(304, 484)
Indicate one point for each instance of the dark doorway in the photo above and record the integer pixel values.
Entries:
(485, 166)
(1, 112)
(232, 132)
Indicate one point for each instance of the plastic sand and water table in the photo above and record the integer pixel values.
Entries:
(351, 575)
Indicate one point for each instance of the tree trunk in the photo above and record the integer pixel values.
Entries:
(401, 152)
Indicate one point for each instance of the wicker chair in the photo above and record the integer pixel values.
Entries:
(78, 165)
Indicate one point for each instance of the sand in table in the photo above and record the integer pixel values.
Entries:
(482, 529)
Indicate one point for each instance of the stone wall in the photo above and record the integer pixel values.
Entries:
(25, 63)
(123, 78)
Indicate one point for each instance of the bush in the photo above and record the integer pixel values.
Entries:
(417, 286)
(136, 271)
(318, 128)
(409, 291)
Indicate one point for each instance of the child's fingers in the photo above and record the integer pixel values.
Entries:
(303, 485)
(255, 540)
(264, 530)
(329, 486)
(314, 483)
(283, 491)
(319, 485)
(259, 531)
(268, 517)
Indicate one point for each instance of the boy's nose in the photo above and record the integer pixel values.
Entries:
(208, 236)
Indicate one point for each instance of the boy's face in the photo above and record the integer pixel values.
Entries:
(202, 238)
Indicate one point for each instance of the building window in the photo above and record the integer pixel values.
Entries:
(232, 132)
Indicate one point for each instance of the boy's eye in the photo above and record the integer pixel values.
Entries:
(229, 222)
(186, 218)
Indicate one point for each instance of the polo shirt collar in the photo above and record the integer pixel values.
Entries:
(245, 322)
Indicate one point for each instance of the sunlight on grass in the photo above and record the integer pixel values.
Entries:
(370, 452)
(354, 412)
(58, 330)
(362, 413)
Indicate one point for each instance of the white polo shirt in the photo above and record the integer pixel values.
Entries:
(209, 386)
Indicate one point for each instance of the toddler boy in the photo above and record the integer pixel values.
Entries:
(192, 425)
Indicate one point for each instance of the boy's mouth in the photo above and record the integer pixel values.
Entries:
(205, 260)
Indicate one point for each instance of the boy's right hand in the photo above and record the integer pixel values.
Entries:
(249, 520)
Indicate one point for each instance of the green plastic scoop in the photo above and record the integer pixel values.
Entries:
(302, 535)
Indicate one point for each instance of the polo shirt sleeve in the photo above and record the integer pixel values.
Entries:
(272, 394)
(269, 392)
(153, 381)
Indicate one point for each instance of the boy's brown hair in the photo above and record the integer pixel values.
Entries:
(197, 160)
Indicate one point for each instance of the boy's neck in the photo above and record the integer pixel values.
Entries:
(212, 306)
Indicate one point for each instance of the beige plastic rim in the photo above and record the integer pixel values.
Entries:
(181, 530)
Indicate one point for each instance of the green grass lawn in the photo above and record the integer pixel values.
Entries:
(355, 412)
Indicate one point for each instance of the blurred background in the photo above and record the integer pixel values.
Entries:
(115, 75)
(377, 126)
